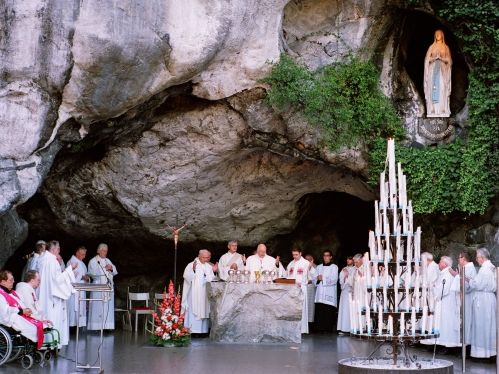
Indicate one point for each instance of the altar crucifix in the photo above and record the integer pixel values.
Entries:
(175, 231)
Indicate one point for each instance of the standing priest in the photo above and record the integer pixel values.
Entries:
(195, 304)
(326, 297)
(80, 277)
(346, 274)
(102, 271)
(261, 261)
(483, 326)
(301, 271)
(55, 290)
(230, 260)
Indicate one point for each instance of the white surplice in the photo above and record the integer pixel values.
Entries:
(326, 292)
(257, 263)
(55, 290)
(344, 307)
(469, 272)
(433, 273)
(80, 272)
(195, 303)
(9, 316)
(483, 327)
(302, 272)
(447, 294)
(226, 261)
(98, 319)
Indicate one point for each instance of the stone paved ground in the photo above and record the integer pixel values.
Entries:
(125, 352)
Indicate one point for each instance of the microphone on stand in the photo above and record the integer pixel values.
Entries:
(107, 278)
(443, 286)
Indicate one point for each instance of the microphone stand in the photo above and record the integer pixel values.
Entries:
(105, 273)
(441, 296)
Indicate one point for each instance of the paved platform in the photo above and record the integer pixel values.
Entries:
(127, 352)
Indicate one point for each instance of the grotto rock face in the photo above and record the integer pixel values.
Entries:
(120, 116)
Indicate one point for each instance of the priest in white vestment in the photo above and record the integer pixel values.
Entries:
(33, 260)
(26, 291)
(102, 271)
(433, 271)
(346, 274)
(10, 315)
(326, 294)
(262, 261)
(80, 277)
(466, 263)
(55, 290)
(483, 326)
(230, 260)
(302, 272)
(195, 303)
(447, 295)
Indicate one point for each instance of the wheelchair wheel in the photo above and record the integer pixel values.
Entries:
(39, 357)
(47, 355)
(27, 362)
(5, 346)
(15, 354)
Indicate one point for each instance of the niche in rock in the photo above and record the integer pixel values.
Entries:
(416, 37)
(328, 220)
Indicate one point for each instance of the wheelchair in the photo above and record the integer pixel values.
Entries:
(14, 346)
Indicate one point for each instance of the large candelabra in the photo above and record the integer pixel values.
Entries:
(392, 302)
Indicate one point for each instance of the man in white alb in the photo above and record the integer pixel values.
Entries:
(261, 261)
(433, 271)
(346, 274)
(102, 271)
(195, 304)
(55, 290)
(80, 277)
(27, 293)
(230, 260)
(33, 260)
(302, 272)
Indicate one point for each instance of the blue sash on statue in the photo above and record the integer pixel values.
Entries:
(435, 84)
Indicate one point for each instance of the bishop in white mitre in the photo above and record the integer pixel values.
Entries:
(483, 326)
(102, 271)
(195, 303)
(80, 277)
(262, 261)
(55, 290)
(326, 296)
(230, 260)
(302, 272)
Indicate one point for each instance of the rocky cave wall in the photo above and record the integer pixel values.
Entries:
(118, 118)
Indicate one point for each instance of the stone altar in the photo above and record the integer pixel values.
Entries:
(255, 312)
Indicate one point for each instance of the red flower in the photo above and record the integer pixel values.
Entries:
(175, 326)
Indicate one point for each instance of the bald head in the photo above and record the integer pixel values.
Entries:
(261, 250)
(204, 256)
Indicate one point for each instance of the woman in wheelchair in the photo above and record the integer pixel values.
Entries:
(14, 315)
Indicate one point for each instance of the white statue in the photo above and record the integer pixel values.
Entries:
(437, 77)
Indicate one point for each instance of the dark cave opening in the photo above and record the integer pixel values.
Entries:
(417, 35)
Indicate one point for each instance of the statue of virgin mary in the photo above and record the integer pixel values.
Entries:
(437, 77)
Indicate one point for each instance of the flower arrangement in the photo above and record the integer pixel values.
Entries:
(169, 327)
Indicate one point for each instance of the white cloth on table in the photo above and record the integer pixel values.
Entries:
(55, 290)
(326, 292)
(98, 319)
(195, 303)
(9, 316)
(483, 327)
(80, 272)
(301, 271)
(344, 307)
(226, 261)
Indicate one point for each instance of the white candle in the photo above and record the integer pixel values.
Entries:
(376, 275)
(404, 220)
(382, 192)
(361, 330)
(390, 325)
(380, 321)
(368, 319)
(398, 242)
(430, 324)
(404, 189)
(372, 245)
(402, 324)
(400, 181)
(395, 221)
(438, 316)
(374, 298)
(385, 298)
(376, 217)
(407, 300)
(417, 243)
(413, 321)
(409, 215)
(409, 257)
(423, 320)
(380, 248)
(391, 173)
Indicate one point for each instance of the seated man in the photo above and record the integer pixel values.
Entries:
(26, 292)
(13, 314)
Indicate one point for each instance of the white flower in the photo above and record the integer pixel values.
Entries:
(158, 329)
(177, 331)
(167, 337)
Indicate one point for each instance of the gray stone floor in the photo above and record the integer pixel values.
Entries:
(126, 352)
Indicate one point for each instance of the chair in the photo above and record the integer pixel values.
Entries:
(158, 298)
(143, 309)
(126, 317)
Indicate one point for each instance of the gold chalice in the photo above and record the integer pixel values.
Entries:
(257, 276)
